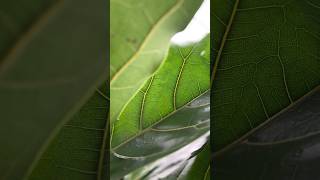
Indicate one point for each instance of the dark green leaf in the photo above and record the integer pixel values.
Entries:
(19, 18)
(266, 56)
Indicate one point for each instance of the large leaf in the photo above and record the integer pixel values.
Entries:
(151, 126)
(47, 76)
(181, 78)
(140, 34)
(266, 56)
(79, 151)
(286, 148)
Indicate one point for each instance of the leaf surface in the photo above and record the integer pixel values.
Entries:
(285, 148)
(184, 163)
(46, 77)
(15, 20)
(266, 56)
(150, 126)
(79, 151)
(182, 77)
(140, 34)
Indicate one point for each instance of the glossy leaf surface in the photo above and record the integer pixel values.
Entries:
(140, 34)
(286, 148)
(182, 77)
(266, 56)
(163, 138)
(46, 77)
(181, 164)
(198, 167)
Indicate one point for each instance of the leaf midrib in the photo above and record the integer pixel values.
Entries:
(172, 10)
(224, 39)
(242, 138)
(104, 142)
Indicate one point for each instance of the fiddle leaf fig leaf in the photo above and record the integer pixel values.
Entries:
(152, 126)
(182, 77)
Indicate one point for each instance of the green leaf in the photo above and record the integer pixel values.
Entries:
(183, 76)
(150, 126)
(285, 148)
(79, 151)
(140, 34)
(46, 76)
(266, 56)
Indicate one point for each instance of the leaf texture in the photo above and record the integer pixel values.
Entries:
(79, 151)
(46, 77)
(266, 56)
(162, 139)
(284, 149)
(140, 34)
(182, 108)
(183, 76)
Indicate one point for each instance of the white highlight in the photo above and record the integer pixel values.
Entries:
(198, 27)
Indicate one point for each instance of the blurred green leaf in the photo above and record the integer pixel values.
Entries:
(17, 18)
(47, 74)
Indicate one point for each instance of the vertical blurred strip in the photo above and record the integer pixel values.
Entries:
(53, 56)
